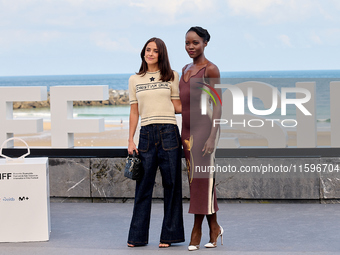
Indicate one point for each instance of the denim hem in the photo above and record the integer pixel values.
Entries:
(137, 243)
(172, 241)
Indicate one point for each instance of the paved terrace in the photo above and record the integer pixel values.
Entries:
(250, 228)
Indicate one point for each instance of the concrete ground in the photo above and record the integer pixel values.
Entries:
(102, 228)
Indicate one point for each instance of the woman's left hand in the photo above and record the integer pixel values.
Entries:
(209, 146)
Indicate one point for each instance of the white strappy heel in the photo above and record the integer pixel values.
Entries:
(193, 247)
(214, 244)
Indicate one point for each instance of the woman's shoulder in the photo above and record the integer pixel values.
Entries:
(176, 75)
(134, 77)
(211, 66)
(186, 67)
(212, 70)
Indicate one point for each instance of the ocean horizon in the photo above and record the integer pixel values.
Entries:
(120, 81)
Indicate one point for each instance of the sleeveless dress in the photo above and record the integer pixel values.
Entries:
(195, 132)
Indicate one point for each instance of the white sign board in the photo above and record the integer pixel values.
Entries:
(24, 200)
(10, 126)
(63, 126)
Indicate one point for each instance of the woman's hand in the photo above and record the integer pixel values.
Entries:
(209, 146)
(134, 115)
(132, 147)
(177, 105)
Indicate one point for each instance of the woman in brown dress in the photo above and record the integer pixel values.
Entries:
(199, 135)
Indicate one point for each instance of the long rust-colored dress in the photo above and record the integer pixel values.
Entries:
(195, 132)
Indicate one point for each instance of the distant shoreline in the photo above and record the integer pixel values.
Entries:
(116, 97)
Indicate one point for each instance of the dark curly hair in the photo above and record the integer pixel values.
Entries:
(203, 33)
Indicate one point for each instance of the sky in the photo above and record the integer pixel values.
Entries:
(61, 37)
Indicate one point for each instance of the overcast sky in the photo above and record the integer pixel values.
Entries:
(48, 37)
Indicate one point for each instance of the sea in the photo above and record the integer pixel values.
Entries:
(119, 114)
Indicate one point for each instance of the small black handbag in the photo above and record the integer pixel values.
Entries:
(133, 168)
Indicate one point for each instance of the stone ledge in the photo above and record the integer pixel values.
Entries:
(102, 180)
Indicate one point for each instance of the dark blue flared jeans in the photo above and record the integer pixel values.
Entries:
(159, 146)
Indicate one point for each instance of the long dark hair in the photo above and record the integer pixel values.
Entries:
(163, 60)
(201, 32)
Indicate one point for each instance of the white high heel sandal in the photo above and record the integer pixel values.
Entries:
(193, 247)
(214, 244)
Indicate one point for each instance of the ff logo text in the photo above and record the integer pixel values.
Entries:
(5, 176)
